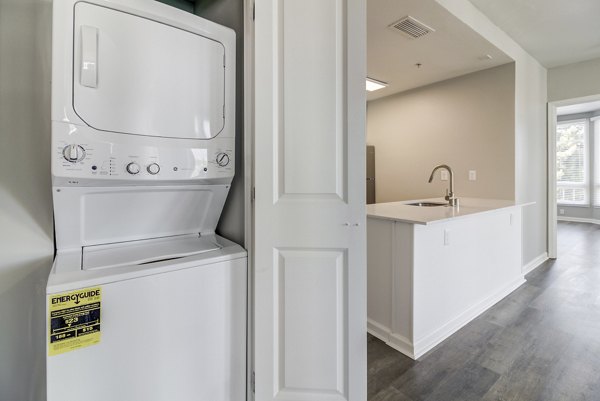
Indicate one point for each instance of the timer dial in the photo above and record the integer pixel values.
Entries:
(133, 168)
(73, 153)
(153, 168)
(222, 159)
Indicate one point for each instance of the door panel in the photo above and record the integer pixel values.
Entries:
(127, 76)
(309, 235)
(311, 293)
(312, 114)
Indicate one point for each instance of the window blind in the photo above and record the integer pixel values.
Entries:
(571, 163)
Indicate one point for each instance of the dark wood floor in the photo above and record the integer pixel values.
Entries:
(542, 342)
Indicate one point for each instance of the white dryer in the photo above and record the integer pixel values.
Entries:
(145, 302)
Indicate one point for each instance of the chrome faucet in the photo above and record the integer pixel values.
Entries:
(452, 200)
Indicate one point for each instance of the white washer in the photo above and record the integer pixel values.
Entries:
(169, 330)
(145, 301)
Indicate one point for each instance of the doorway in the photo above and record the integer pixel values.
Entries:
(573, 164)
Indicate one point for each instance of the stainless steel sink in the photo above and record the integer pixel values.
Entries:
(427, 204)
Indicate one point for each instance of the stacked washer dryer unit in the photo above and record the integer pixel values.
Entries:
(144, 301)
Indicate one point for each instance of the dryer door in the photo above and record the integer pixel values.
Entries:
(137, 76)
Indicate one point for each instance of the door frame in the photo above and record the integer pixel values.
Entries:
(552, 204)
(249, 187)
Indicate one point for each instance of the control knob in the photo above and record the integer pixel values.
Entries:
(222, 159)
(153, 168)
(73, 153)
(133, 168)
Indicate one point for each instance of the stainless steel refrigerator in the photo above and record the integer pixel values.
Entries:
(370, 174)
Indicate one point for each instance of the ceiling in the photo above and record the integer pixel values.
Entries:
(454, 49)
(555, 32)
(578, 108)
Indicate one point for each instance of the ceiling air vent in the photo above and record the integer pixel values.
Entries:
(411, 27)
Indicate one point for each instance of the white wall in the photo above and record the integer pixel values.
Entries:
(574, 80)
(530, 126)
(466, 122)
(26, 237)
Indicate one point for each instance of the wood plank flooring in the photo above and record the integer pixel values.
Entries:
(541, 343)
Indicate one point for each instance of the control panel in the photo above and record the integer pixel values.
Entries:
(82, 153)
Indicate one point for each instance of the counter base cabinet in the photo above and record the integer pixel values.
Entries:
(427, 281)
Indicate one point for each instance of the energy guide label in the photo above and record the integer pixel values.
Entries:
(74, 320)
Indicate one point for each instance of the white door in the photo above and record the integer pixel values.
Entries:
(310, 241)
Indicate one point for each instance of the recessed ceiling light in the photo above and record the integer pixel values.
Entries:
(373, 84)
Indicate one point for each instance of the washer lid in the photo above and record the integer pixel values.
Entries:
(145, 252)
(138, 76)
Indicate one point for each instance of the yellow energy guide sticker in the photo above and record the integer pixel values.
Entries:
(74, 320)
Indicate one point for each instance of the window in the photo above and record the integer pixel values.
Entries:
(572, 176)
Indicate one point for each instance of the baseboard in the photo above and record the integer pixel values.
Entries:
(418, 349)
(378, 330)
(427, 343)
(578, 219)
(395, 341)
(402, 344)
(535, 263)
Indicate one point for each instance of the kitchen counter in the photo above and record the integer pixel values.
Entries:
(402, 212)
(431, 270)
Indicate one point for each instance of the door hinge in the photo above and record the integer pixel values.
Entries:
(253, 382)
(253, 11)
(253, 194)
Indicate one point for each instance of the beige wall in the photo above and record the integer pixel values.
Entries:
(574, 80)
(466, 122)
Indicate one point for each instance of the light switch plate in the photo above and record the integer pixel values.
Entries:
(472, 175)
(444, 175)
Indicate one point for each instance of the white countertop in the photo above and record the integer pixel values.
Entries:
(400, 211)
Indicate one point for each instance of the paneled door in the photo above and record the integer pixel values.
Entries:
(309, 234)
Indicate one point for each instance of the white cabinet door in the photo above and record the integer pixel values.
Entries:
(310, 256)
